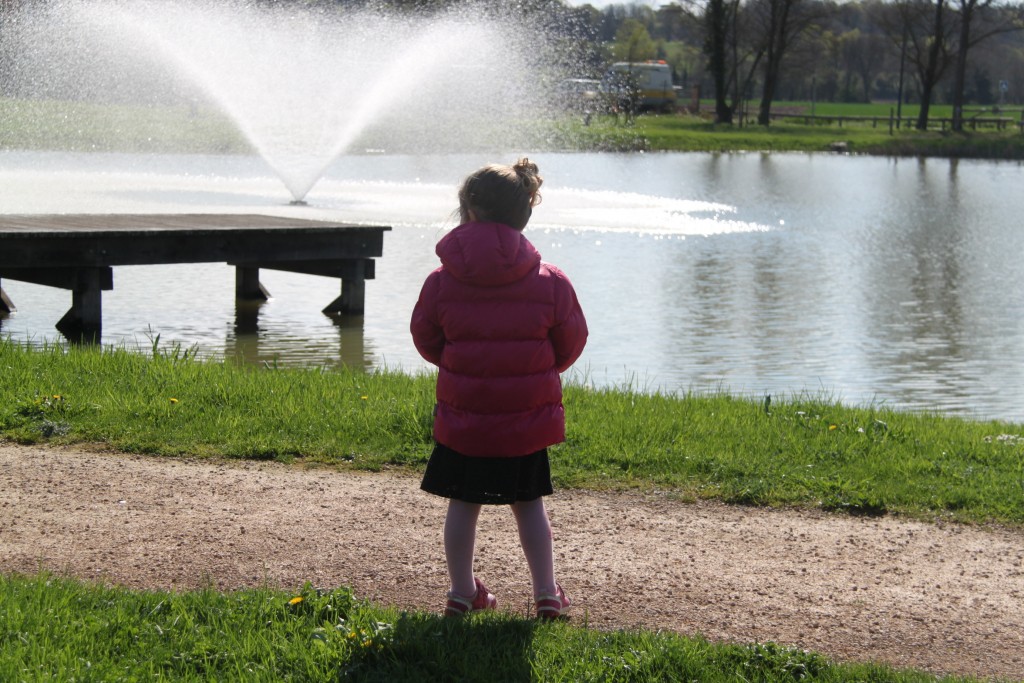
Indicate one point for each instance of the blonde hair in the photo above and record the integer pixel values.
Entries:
(501, 194)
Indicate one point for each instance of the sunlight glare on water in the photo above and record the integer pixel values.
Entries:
(866, 280)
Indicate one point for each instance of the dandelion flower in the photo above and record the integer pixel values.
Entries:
(831, 427)
(364, 397)
(174, 400)
(297, 599)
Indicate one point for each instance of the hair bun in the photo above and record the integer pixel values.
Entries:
(528, 174)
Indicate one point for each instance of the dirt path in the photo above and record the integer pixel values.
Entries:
(948, 599)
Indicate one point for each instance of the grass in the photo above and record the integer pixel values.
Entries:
(58, 629)
(84, 127)
(689, 133)
(90, 127)
(681, 133)
(806, 451)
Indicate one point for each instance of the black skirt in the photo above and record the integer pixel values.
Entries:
(488, 481)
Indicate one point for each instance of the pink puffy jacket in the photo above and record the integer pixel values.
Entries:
(500, 325)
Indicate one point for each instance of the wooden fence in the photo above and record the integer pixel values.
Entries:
(972, 122)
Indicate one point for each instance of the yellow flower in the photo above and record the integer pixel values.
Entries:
(174, 400)
(831, 427)
(297, 599)
(58, 397)
(364, 397)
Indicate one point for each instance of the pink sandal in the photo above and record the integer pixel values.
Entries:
(552, 606)
(459, 605)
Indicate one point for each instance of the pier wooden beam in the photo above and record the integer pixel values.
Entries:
(77, 251)
(6, 305)
(353, 273)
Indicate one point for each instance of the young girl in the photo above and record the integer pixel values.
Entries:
(501, 325)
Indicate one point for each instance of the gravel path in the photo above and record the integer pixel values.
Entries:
(943, 598)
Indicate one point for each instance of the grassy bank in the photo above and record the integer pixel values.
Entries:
(88, 127)
(692, 134)
(55, 629)
(807, 451)
(781, 451)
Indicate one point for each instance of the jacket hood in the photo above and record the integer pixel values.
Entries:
(487, 254)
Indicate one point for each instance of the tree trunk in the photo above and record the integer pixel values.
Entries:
(931, 71)
(715, 48)
(777, 39)
(960, 72)
(764, 113)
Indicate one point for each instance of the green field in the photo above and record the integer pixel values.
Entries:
(55, 629)
(84, 127)
(685, 133)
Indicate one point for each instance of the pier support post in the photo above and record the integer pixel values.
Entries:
(353, 288)
(6, 305)
(247, 284)
(84, 320)
(352, 299)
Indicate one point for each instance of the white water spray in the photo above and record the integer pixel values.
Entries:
(304, 86)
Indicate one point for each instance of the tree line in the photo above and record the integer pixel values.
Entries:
(958, 52)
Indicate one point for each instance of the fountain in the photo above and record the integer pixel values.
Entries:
(304, 86)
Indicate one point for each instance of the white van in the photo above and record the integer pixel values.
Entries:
(647, 85)
(578, 94)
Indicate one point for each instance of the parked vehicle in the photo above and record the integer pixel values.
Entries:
(636, 86)
(578, 94)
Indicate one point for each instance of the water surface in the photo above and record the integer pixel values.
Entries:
(869, 280)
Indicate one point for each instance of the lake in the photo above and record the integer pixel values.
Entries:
(894, 282)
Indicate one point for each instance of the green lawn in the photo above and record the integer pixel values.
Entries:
(806, 451)
(84, 127)
(800, 450)
(62, 630)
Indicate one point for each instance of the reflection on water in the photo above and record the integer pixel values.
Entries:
(893, 282)
(249, 342)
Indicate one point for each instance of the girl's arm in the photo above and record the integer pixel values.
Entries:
(569, 335)
(427, 334)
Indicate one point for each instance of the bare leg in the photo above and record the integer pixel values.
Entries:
(460, 544)
(535, 537)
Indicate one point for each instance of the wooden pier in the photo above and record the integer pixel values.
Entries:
(77, 252)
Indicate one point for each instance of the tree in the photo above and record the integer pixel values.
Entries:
(969, 11)
(733, 50)
(671, 23)
(717, 21)
(781, 22)
(633, 43)
(863, 55)
(920, 30)
(938, 58)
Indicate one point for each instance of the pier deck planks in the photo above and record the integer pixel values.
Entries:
(78, 251)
